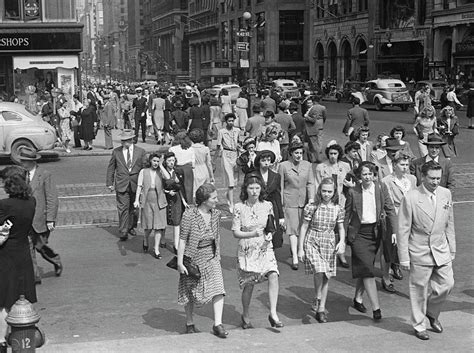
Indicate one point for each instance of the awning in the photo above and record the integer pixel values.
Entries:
(45, 62)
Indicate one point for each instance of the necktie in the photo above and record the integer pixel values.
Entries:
(433, 200)
(129, 159)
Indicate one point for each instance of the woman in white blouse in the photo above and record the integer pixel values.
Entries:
(270, 142)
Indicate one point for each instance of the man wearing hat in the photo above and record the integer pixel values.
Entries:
(315, 118)
(246, 159)
(255, 122)
(434, 143)
(44, 191)
(140, 104)
(122, 176)
(287, 127)
(107, 119)
(384, 164)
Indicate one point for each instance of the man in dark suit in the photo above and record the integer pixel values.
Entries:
(47, 204)
(140, 104)
(315, 118)
(122, 176)
(434, 143)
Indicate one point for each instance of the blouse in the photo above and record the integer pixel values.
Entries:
(183, 157)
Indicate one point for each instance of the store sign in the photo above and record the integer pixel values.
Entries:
(14, 41)
(242, 46)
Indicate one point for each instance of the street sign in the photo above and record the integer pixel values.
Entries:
(242, 46)
(243, 33)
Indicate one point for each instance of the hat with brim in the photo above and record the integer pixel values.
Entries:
(393, 144)
(28, 154)
(434, 140)
(178, 104)
(138, 89)
(295, 146)
(127, 134)
(264, 154)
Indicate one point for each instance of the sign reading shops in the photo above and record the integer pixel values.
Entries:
(60, 41)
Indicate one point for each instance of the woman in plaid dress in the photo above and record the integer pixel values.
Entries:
(317, 241)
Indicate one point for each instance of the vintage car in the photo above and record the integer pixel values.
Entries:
(385, 93)
(286, 87)
(345, 95)
(20, 127)
(436, 89)
(233, 89)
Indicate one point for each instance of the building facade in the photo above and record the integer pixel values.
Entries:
(276, 33)
(135, 39)
(39, 40)
(340, 38)
(453, 39)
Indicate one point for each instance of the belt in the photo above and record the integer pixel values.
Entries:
(229, 149)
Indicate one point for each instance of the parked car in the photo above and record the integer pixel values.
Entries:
(385, 93)
(436, 89)
(233, 89)
(345, 95)
(20, 127)
(286, 87)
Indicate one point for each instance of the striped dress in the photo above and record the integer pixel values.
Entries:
(202, 246)
(320, 241)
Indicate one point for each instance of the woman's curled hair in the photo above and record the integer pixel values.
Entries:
(204, 192)
(16, 187)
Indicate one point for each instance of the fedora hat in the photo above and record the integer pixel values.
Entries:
(127, 134)
(28, 154)
(393, 144)
(262, 154)
(434, 139)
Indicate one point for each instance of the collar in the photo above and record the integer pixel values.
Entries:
(428, 158)
(427, 192)
(370, 190)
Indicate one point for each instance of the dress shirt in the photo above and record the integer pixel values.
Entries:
(31, 174)
(369, 208)
(389, 164)
(431, 195)
(363, 150)
(124, 151)
(451, 97)
(428, 158)
(228, 139)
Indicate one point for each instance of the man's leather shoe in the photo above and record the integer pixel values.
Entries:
(397, 273)
(422, 335)
(342, 263)
(435, 324)
(359, 306)
(388, 287)
(377, 315)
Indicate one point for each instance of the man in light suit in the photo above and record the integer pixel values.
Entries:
(122, 176)
(427, 247)
(315, 119)
(47, 204)
(434, 143)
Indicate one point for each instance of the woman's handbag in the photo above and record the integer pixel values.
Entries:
(193, 270)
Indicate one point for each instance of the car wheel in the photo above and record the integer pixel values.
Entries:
(16, 146)
(404, 108)
(378, 105)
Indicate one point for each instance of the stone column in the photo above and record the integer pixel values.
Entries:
(192, 60)
(198, 61)
(454, 39)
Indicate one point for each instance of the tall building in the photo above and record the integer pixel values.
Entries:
(170, 46)
(453, 38)
(276, 33)
(135, 34)
(39, 40)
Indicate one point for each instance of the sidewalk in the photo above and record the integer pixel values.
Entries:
(390, 335)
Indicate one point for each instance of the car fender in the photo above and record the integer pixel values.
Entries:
(382, 99)
(359, 95)
(36, 135)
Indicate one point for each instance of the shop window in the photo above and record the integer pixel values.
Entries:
(12, 9)
(397, 13)
(59, 9)
(291, 35)
(421, 12)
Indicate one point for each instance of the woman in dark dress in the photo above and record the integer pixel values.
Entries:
(16, 267)
(88, 123)
(271, 192)
(369, 212)
(173, 184)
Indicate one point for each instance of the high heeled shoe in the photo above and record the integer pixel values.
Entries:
(273, 323)
(245, 325)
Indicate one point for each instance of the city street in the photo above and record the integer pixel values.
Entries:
(112, 297)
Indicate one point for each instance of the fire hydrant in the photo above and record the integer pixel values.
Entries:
(24, 337)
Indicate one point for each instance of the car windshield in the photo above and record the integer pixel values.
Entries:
(31, 114)
(394, 87)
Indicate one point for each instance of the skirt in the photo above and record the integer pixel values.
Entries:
(293, 219)
(188, 172)
(174, 209)
(229, 161)
(320, 254)
(364, 247)
(153, 217)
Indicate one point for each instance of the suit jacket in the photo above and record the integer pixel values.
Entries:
(273, 193)
(384, 210)
(118, 173)
(297, 183)
(394, 190)
(315, 119)
(447, 176)
(141, 106)
(426, 233)
(243, 163)
(383, 165)
(160, 194)
(47, 203)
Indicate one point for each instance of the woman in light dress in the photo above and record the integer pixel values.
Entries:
(202, 165)
(425, 124)
(256, 259)
(65, 123)
(158, 111)
(270, 142)
(241, 111)
(226, 104)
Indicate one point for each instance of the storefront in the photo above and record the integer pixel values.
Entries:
(44, 57)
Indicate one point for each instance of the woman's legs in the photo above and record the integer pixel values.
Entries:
(175, 236)
(371, 288)
(246, 298)
(146, 237)
(158, 234)
(218, 306)
(324, 285)
(3, 324)
(359, 290)
(294, 248)
(273, 294)
(188, 308)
